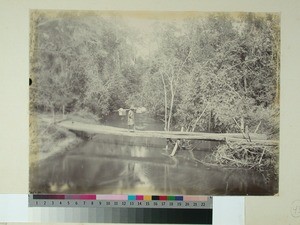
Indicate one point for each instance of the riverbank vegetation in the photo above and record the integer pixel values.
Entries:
(246, 155)
(212, 72)
(47, 138)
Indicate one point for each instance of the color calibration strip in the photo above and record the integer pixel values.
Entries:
(123, 201)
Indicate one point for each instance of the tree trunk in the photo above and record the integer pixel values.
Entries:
(197, 120)
(245, 83)
(53, 114)
(166, 102)
(256, 129)
(209, 120)
(63, 111)
(171, 106)
(242, 127)
(242, 124)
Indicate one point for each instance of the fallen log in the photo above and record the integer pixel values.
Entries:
(254, 136)
(100, 129)
(254, 142)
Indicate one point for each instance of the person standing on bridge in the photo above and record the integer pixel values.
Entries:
(131, 119)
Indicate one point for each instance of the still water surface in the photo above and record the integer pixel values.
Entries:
(95, 167)
(105, 168)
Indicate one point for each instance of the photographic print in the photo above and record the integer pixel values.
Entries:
(154, 102)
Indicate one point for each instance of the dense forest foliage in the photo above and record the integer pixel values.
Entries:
(200, 73)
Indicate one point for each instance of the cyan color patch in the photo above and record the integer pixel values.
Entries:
(131, 197)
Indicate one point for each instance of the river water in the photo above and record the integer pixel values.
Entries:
(106, 168)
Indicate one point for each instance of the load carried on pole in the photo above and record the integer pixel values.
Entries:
(122, 112)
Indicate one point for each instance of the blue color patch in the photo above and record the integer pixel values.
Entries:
(178, 198)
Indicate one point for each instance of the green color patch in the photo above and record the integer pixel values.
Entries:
(171, 198)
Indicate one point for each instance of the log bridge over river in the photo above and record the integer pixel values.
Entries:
(158, 138)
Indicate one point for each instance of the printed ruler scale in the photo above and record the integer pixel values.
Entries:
(121, 201)
(122, 209)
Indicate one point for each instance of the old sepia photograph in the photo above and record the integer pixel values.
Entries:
(141, 102)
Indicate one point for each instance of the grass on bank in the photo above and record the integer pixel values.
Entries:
(47, 138)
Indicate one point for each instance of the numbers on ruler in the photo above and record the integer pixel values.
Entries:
(101, 203)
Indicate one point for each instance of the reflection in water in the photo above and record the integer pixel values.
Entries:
(95, 167)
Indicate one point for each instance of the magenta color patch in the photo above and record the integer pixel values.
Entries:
(140, 197)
